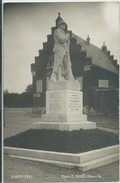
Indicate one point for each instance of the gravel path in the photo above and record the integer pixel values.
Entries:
(21, 171)
(21, 119)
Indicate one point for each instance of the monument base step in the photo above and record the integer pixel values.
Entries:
(99, 162)
(68, 126)
(64, 118)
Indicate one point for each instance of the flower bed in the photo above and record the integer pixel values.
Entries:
(63, 141)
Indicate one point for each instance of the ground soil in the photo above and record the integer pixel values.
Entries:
(76, 141)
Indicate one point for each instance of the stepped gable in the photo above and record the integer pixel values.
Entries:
(99, 57)
(82, 53)
(77, 57)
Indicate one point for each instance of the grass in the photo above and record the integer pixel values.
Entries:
(63, 141)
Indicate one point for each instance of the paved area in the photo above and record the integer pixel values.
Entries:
(18, 170)
(17, 120)
(21, 171)
(105, 121)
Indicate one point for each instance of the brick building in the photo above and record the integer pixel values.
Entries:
(95, 69)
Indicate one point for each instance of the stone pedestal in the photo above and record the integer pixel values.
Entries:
(64, 107)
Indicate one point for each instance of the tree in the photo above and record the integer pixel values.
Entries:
(6, 91)
(29, 89)
(18, 100)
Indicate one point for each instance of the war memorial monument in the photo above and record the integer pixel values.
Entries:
(64, 100)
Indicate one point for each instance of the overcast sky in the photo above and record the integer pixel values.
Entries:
(26, 26)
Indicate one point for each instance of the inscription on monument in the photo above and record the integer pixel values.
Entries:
(64, 102)
(74, 102)
(56, 104)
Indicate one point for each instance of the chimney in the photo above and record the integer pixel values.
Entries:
(104, 47)
(88, 40)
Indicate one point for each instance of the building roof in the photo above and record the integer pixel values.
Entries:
(99, 58)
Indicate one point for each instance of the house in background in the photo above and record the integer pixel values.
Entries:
(95, 68)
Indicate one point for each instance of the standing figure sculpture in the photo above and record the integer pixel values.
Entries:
(62, 65)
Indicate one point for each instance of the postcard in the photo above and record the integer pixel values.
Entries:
(60, 82)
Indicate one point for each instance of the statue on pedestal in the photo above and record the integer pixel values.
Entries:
(62, 65)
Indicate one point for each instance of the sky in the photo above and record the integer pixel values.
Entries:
(26, 26)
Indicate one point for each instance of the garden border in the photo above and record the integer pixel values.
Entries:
(84, 161)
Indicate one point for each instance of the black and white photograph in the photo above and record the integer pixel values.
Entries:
(60, 92)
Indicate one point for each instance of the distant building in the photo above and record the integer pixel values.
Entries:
(95, 68)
